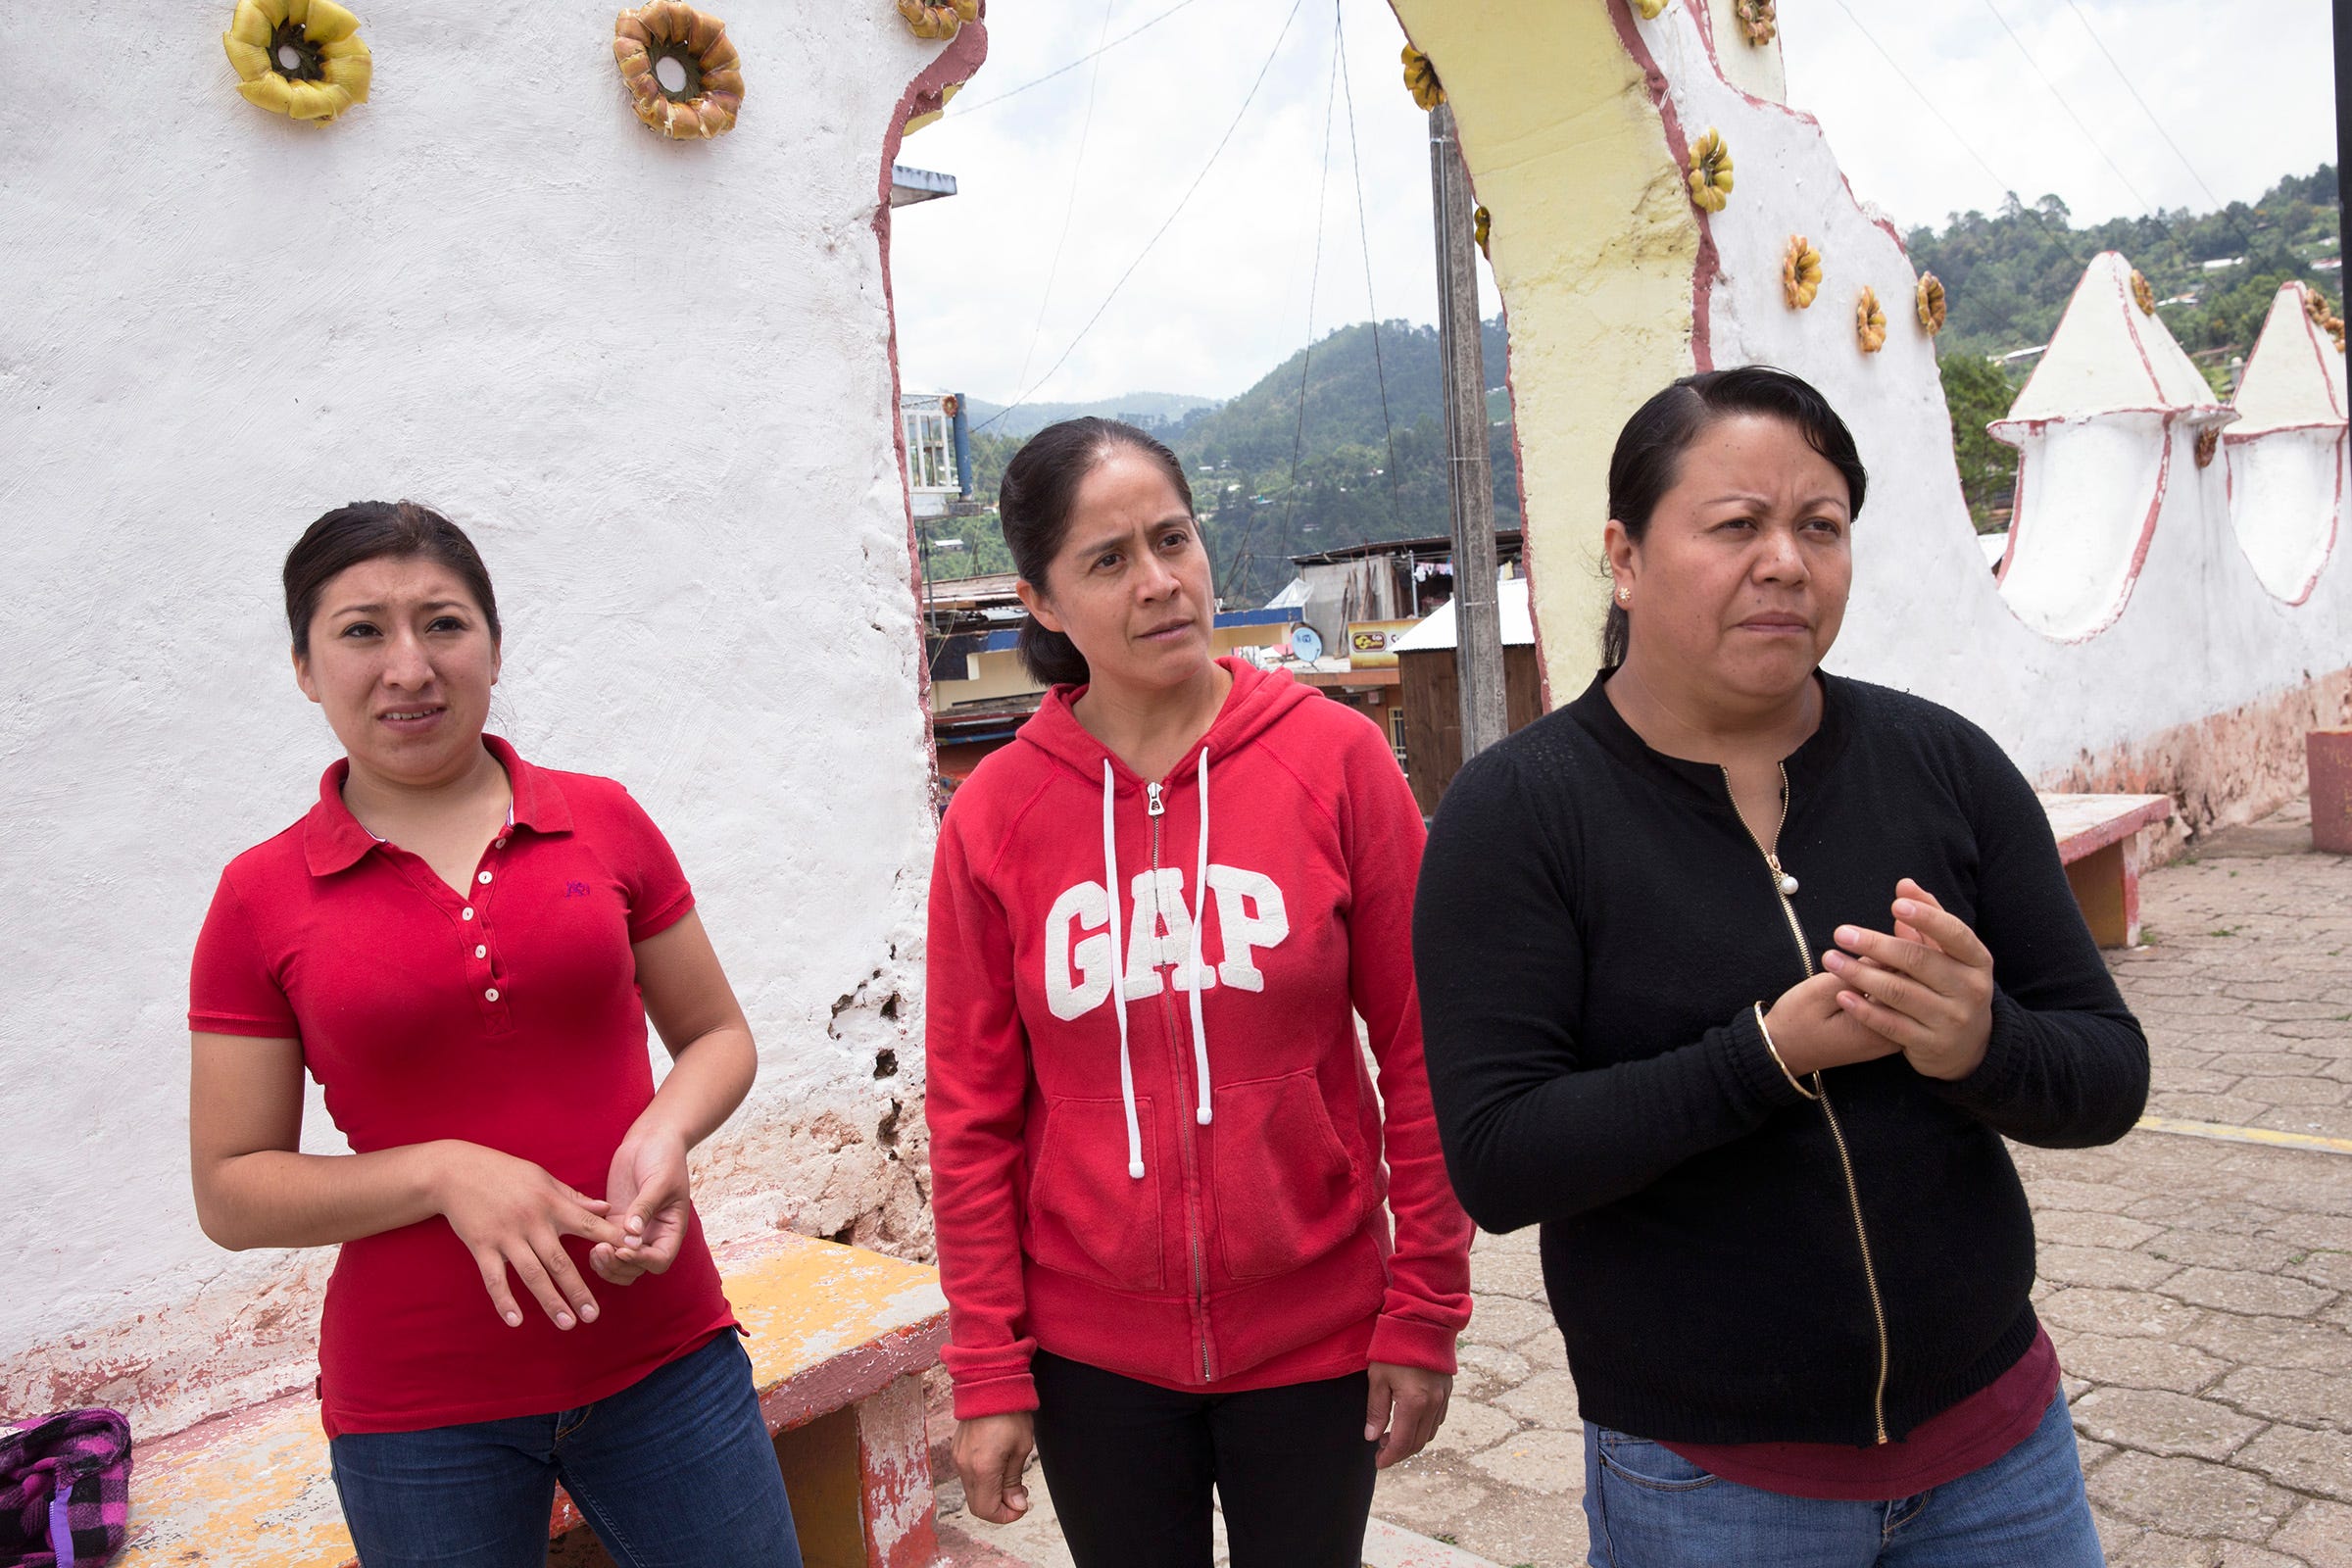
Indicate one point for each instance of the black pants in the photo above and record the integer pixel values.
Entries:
(1131, 1464)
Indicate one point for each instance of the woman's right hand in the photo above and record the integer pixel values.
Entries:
(1810, 1031)
(991, 1453)
(512, 1214)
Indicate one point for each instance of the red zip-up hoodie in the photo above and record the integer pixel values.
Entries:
(1155, 1145)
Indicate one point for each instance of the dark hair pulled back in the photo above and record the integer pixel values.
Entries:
(1649, 450)
(1034, 506)
(377, 530)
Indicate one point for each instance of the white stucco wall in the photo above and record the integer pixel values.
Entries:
(653, 380)
(2198, 636)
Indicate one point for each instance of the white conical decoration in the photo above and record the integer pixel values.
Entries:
(2108, 420)
(2287, 452)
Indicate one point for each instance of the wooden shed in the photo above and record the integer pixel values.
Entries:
(1432, 696)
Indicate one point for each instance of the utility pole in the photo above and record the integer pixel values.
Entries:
(1477, 620)
(2343, 118)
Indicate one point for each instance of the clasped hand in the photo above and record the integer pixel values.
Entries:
(1925, 990)
(513, 1215)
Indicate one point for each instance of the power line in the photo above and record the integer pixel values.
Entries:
(1306, 358)
(2218, 203)
(962, 109)
(1077, 171)
(1919, 93)
(2035, 66)
(1363, 237)
(1169, 222)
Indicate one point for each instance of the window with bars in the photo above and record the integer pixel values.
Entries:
(930, 444)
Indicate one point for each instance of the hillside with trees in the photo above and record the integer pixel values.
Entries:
(1238, 456)
(1025, 419)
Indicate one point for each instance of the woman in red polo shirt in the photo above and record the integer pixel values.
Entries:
(463, 950)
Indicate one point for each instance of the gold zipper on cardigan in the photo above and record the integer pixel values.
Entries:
(1780, 881)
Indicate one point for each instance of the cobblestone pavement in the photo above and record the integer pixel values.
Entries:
(2199, 1289)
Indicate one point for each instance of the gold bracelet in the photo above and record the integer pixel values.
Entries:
(1775, 1053)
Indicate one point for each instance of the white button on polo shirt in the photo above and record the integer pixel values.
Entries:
(490, 995)
(484, 879)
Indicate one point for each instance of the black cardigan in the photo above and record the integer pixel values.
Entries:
(1592, 926)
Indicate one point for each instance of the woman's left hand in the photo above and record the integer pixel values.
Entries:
(1406, 1409)
(1927, 986)
(649, 1196)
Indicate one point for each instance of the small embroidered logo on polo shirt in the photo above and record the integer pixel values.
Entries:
(575, 890)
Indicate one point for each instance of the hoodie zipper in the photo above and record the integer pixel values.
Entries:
(1155, 808)
(1821, 1090)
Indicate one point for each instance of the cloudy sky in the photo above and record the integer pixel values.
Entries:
(1065, 183)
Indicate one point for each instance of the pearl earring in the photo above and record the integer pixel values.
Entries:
(1625, 596)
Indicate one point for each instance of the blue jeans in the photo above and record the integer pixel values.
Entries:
(1650, 1508)
(674, 1471)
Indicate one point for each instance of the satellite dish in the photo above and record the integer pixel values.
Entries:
(1306, 643)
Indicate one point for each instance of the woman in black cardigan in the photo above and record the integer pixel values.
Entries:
(1734, 976)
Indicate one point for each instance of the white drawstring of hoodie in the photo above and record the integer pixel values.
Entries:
(1118, 987)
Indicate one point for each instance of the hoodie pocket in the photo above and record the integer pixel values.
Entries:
(1087, 1216)
(1285, 1186)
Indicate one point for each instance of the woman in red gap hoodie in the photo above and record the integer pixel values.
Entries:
(1161, 1170)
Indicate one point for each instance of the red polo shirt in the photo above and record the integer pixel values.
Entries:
(505, 1013)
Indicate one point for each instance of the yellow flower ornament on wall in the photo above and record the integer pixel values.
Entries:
(1482, 224)
(1930, 303)
(1421, 78)
(2141, 295)
(1870, 323)
(2323, 316)
(938, 20)
(681, 69)
(298, 57)
(1800, 273)
(1651, 10)
(1710, 171)
(1757, 21)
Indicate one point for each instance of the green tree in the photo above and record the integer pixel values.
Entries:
(1977, 393)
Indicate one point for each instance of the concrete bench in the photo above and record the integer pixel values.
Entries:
(840, 1341)
(2098, 839)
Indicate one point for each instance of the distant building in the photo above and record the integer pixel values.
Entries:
(1359, 599)
(981, 695)
(939, 450)
(1397, 579)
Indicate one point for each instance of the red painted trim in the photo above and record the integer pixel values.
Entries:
(2147, 527)
(2241, 437)
(2017, 498)
(1706, 34)
(2320, 351)
(2335, 510)
(926, 94)
(2147, 535)
(2311, 335)
(2131, 309)
(1710, 262)
(2335, 516)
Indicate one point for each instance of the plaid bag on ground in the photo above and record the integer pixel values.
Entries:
(65, 1490)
